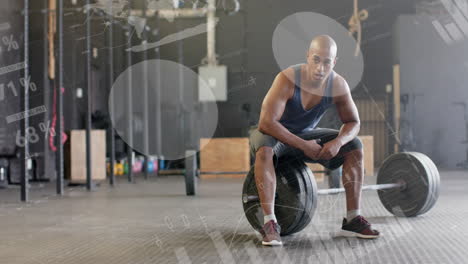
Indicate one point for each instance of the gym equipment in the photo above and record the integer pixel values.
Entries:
(416, 180)
(150, 166)
(295, 201)
(125, 167)
(162, 164)
(408, 185)
(138, 165)
(334, 174)
(197, 172)
(191, 179)
(108, 166)
(155, 164)
(110, 81)
(4, 168)
(119, 168)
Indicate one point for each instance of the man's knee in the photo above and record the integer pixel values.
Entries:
(356, 143)
(264, 154)
(356, 155)
(353, 145)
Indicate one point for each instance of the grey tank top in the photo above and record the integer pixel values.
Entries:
(295, 118)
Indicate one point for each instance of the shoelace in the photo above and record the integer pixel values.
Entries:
(364, 221)
(271, 227)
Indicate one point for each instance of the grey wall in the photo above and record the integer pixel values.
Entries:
(435, 74)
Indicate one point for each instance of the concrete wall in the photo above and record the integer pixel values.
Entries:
(435, 74)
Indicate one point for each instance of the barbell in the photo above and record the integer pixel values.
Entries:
(191, 173)
(407, 184)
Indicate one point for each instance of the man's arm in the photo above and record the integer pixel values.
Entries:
(347, 112)
(273, 108)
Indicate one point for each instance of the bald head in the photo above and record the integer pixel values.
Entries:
(324, 43)
(321, 57)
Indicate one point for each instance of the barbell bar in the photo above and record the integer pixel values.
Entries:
(251, 198)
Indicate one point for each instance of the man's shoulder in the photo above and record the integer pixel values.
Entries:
(286, 76)
(290, 72)
(340, 85)
(338, 79)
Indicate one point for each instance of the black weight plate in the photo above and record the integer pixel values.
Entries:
(420, 176)
(191, 180)
(302, 217)
(408, 168)
(311, 201)
(435, 183)
(290, 201)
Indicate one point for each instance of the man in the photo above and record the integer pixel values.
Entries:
(295, 103)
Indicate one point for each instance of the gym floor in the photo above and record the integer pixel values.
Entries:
(155, 222)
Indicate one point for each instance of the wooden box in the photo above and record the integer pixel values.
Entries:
(224, 155)
(368, 147)
(76, 156)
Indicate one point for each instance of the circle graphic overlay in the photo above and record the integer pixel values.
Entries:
(164, 93)
(292, 37)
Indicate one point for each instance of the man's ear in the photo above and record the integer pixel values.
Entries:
(336, 59)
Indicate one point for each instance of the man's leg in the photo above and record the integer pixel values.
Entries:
(351, 158)
(352, 178)
(262, 145)
(355, 225)
(265, 179)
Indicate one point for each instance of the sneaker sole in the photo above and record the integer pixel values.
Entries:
(272, 243)
(346, 233)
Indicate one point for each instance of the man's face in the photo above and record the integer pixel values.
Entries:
(321, 62)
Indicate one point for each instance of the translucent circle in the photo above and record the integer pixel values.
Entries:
(176, 120)
(292, 37)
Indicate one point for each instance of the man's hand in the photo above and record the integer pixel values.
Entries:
(312, 149)
(329, 150)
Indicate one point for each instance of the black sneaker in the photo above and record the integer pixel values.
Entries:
(358, 227)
